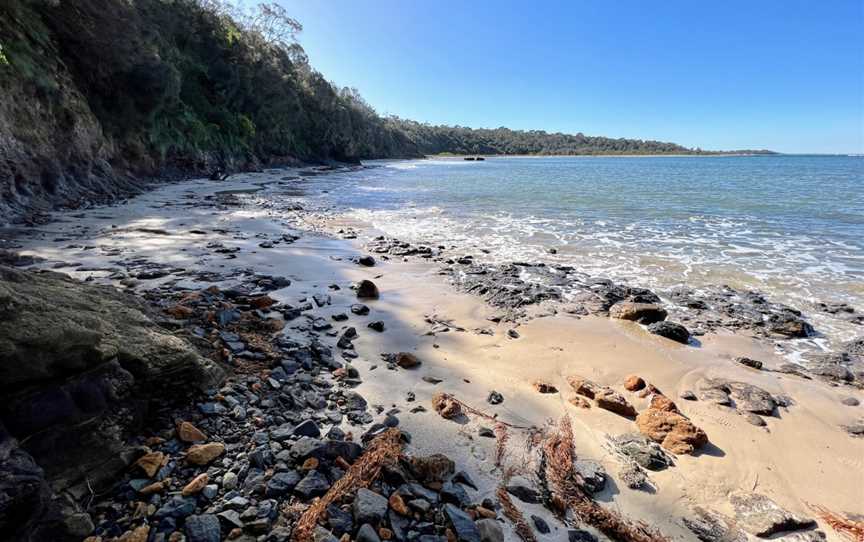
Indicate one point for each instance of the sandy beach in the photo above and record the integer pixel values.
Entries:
(801, 456)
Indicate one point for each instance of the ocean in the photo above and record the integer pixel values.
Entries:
(791, 227)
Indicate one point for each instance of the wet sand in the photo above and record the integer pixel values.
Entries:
(802, 456)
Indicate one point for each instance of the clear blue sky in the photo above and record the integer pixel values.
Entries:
(784, 75)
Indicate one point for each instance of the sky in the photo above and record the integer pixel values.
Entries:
(783, 75)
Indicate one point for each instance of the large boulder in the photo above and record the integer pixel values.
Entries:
(79, 366)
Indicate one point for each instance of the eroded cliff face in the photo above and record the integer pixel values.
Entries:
(52, 150)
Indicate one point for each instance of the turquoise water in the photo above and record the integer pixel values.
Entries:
(791, 226)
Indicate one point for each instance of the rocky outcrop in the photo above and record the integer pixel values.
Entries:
(665, 425)
(644, 313)
(79, 367)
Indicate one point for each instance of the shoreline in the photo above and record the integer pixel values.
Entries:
(417, 300)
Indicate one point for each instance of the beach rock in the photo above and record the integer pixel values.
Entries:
(544, 387)
(367, 261)
(643, 451)
(749, 362)
(366, 289)
(688, 395)
(359, 309)
(368, 507)
(670, 330)
(709, 526)
(592, 473)
(490, 530)
(540, 524)
(432, 468)
(314, 484)
(613, 401)
(745, 397)
(643, 313)
(788, 323)
(204, 454)
(203, 528)
(634, 383)
(583, 386)
(762, 517)
(367, 533)
(462, 524)
(407, 360)
(150, 463)
(189, 433)
(523, 492)
(494, 398)
(754, 419)
(664, 424)
(282, 483)
(633, 476)
(850, 401)
(377, 325)
(195, 485)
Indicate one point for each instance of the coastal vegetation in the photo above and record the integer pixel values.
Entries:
(101, 94)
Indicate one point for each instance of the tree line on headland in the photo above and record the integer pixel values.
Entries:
(93, 87)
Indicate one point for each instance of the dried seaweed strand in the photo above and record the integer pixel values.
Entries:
(514, 515)
(501, 438)
(845, 527)
(566, 490)
(384, 450)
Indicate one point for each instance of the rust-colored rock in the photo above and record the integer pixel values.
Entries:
(203, 454)
(139, 534)
(189, 433)
(385, 534)
(150, 463)
(310, 464)
(611, 400)
(664, 424)
(583, 386)
(634, 383)
(407, 360)
(544, 387)
(262, 302)
(180, 312)
(196, 485)
(156, 487)
(644, 313)
(446, 405)
(398, 505)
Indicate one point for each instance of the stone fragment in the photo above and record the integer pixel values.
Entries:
(634, 383)
(644, 313)
(611, 400)
(406, 360)
(189, 433)
(196, 485)
(544, 387)
(664, 424)
(670, 330)
(762, 517)
(203, 454)
(150, 463)
(366, 289)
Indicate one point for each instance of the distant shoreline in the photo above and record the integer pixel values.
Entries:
(702, 155)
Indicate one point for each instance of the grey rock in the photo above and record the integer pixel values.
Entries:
(578, 535)
(644, 452)
(762, 517)
(314, 484)
(850, 401)
(490, 530)
(524, 493)
(463, 526)
(282, 483)
(540, 524)
(592, 473)
(709, 526)
(203, 528)
(368, 507)
(367, 533)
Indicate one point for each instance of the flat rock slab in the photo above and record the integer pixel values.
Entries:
(762, 517)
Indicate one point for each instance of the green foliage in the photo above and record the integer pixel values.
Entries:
(3, 60)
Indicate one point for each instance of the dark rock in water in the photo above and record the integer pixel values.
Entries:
(377, 325)
(495, 398)
(359, 309)
(788, 324)
(366, 289)
(748, 362)
(367, 261)
(340, 317)
(710, 526)
(670, 330)
(540, 524)
(313, 485)
(203, 528)
(368, 507)
(321, 299)
(762, 517)
(462, 524)
(644, 313)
